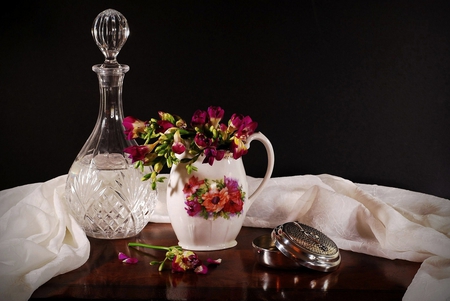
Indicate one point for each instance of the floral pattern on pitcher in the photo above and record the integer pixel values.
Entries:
(213, 198)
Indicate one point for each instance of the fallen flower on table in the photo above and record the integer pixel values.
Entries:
(182, 260)
(126, 259)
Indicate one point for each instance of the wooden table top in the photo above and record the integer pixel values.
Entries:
(239, 277)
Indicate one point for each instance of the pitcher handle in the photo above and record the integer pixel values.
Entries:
(270, 161)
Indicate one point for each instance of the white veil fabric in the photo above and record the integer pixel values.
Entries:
(39, 239)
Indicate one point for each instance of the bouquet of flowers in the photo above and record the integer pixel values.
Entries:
(166, 138)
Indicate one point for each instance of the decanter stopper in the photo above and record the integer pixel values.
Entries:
(110, 31)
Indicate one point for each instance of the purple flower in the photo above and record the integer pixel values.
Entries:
(210, 155)
(231, 184)
(193, 207)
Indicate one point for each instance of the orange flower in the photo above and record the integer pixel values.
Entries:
(214, 200)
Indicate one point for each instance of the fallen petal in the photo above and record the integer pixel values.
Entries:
(214, 261)
(122, 256)
(130, 260)
(125, 259)
(201, 269)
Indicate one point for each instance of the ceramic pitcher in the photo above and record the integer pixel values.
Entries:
(208, 206)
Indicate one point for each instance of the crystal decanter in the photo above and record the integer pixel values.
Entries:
(104, 191)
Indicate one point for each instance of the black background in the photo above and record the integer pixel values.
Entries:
(357, 89)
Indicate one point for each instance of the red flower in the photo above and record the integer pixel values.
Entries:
(235, 205)
(164, 125)
(137, 152)
(192, 186)
(199, 118)
(238, 148)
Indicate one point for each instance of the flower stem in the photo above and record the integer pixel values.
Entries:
(161, 266)
(137, 244)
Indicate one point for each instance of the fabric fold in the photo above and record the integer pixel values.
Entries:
(38, 238)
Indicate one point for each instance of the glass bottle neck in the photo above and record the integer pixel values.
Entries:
(111, 108)
(107, 141)
(110, 116)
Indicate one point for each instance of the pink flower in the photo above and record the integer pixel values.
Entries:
(133, 127)
(246, 128)
(235, 121)
(178, 146)
(215, 115)
(186, 260)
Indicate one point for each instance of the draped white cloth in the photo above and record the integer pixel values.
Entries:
(39, 239)
(380, 221)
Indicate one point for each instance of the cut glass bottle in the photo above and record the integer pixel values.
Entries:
(104, 191)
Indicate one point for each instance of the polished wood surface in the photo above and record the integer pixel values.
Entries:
(239, 277)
